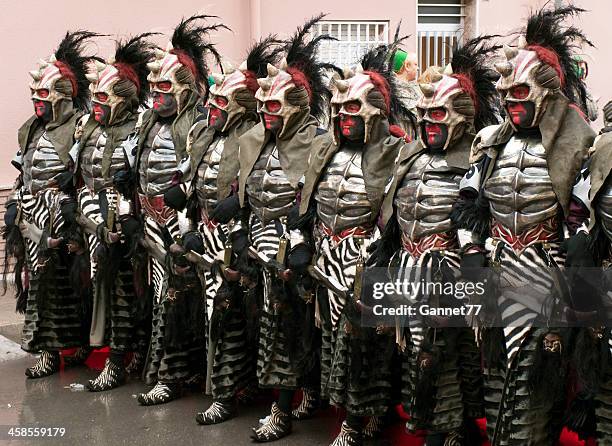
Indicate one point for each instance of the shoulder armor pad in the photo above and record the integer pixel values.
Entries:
(78, 130)
(481, 140)
(17, 160)
(129, 147)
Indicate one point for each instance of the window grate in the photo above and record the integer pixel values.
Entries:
(439, 25)
(354, 39)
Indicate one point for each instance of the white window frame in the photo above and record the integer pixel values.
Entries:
(446, 32)
(346, 51)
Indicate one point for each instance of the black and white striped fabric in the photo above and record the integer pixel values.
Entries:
(348, 437)
(89, 206)
(43, 210)
(47, 364)
(214, 248)
(419, 270)
(526, 291)
(157, 273)
(112, 376)
(276, 426)
(339, 260)
(58, 324)
(274, 366)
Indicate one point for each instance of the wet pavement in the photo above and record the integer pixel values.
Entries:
(115, 418)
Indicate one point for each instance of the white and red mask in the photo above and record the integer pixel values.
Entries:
(107, 105)
(172, 74)
(445, 110)
(224, 106)
(272, 102)
(351, 108)
(53, 83)
(526, 82)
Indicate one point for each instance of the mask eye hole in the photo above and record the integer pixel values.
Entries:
(164, 85)
(273, 106)
(437, 114)
(352, 107)
(42, 92)
(519, 92)
(221, 101)
(101, 97)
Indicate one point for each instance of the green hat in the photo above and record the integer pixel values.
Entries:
(398, 60)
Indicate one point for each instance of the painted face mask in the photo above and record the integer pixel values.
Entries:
(114, 89)
(281, 96)
(446, 109)
(171, 77)
(53, 83)
(356, 101)
(231, 96)
(526, 82)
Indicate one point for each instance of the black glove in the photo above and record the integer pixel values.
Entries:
(10, 215)
(175, 198)
(299, 258)
(124, 180)
(192, 241)
(65, 181)
(240, 240)
(472, 266)
(226, 209)
(130, 226)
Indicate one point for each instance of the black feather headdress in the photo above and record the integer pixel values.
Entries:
(131, 57)
(378, 62)
(262, 53)
(73, 64)
(545, 30)
(471, 66)
(307, 71)
(190, 43)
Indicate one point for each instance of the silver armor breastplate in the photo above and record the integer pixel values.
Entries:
(342, 201)
(604, 207)
(91, 162)
(41, 164)
(270, 193)
(208, 171)
(158, 163)
(519, 190)
(425, 197)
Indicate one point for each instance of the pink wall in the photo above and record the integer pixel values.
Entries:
(31, 29)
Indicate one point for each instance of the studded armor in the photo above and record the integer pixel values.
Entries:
(158, 164)
(41, 164)
(604, 207)
(91, 162)
(342, 201)
(425, 197)
(208, 171)
(520, 190)
(270, 193)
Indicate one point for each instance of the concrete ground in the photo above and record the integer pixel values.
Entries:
(115, 418)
